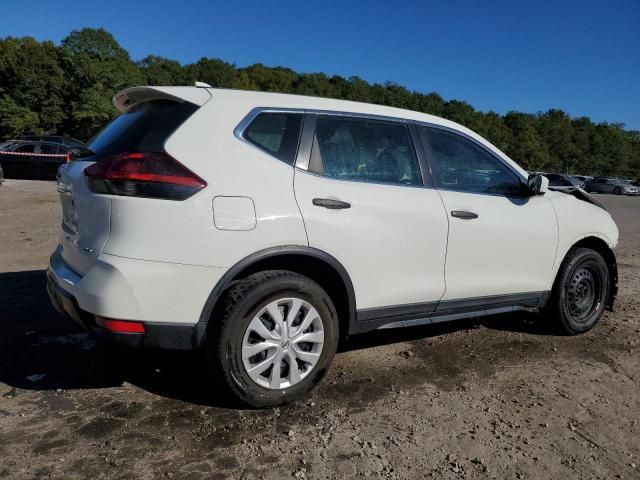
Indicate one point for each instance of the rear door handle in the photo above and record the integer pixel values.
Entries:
(464, 214)
(330, 203)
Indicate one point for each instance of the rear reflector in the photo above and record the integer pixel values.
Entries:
(120, 326)
(143, 174)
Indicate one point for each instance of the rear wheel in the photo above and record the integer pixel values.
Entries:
(277, 338)
(579, 294)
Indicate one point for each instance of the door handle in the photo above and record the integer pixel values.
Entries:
(330, 203)
(464, 214)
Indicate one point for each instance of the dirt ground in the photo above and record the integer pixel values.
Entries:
(501, 397)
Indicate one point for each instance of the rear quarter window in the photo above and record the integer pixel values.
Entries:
(276, 133)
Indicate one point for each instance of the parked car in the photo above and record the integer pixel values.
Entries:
(264, 228)
(35, 157)
(611, 185)
(563, 182)
(582, 178)
(66, 141)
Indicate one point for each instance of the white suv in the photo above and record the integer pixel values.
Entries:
(264, 228)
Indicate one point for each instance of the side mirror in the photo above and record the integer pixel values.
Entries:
(538, 184)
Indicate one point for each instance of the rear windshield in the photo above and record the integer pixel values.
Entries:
(144, 128)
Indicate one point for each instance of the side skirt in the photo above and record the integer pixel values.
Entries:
(411, 315)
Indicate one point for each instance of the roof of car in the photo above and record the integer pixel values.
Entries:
(253, 99)
(59, 139)
(22, 141)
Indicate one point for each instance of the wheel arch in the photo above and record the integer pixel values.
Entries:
(600, 246)
(316, 264)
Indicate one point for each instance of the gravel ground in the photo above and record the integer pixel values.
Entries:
(500, 397)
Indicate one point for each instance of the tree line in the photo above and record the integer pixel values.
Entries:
(66, 89)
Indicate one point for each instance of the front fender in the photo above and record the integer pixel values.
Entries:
(578, 221)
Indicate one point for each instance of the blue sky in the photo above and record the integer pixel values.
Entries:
(580, 56)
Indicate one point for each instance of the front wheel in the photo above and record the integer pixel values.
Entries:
(580, 291)
(277, 338)
(617, 191)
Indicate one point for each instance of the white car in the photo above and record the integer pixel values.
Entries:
(264, 228)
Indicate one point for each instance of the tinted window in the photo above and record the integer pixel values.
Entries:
(276, 133)
(48, 148)
(26, 148)
(6, 146)
(145, 127)
(460, 164)
(364, 150)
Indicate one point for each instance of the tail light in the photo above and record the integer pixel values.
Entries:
(143, 174)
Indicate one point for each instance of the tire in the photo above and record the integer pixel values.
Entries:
(245, 304)
(617, 191)
(580, 292)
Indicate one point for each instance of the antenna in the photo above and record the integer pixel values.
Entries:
(203, 85)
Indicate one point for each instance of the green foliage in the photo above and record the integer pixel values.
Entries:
(31, 86)
(67, 90)
(162, 71)
(96, 67)
(15, 119)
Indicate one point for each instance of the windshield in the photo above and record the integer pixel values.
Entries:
(6, 146)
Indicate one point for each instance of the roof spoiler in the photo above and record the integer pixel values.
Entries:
(125, 99)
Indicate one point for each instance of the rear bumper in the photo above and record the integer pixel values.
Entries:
(107, 290)
(156, 336)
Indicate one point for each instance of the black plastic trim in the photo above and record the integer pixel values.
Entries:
(425, 168)
(368, 314)
(369, 319)
(162, 336)
(177, 336)
(272, 252)
(306, 141)
(434, 312)
(529, 299)
(165, 336)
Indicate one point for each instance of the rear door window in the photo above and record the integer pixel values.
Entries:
(277, 133)
(50, 149)
(26, 148)
(364, 150)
